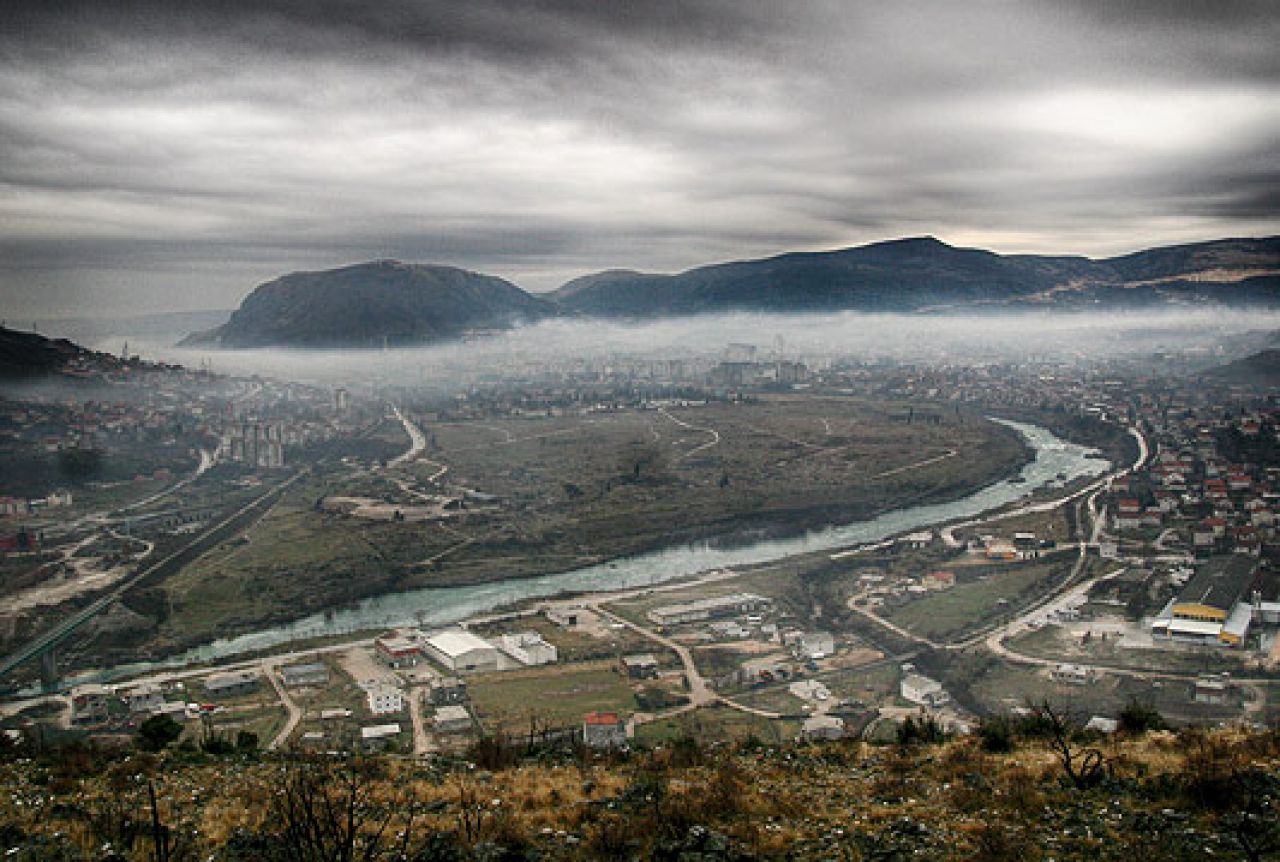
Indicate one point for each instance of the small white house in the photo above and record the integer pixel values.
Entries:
(809, 689)
(384, 699)
(378, 736)
(822, 727)
(1070, 673)
(144, 697)
(528, 648)
(923, 691)
(814, 645)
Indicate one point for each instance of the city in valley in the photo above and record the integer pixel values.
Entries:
(691, 431)
(760, 540)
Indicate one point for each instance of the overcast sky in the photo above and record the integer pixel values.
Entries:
(172, 155)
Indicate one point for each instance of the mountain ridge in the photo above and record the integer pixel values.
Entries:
(924, 273)
(389, 303)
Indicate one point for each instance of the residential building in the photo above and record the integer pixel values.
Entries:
(143, 697)
(1210, 689)
(640, 666)
(603, 730)
(397, 651)
(822, 727)
(706, 609)
(446, 690)
(809, 689)
(89, 704)
(1070, 673)
(232, 683)
(452, 718)
(384, 699)
(814, 645)
(919, 689)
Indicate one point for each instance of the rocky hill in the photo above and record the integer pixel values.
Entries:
(927, 274)
(26, 355)
(1259, 369)
(385, 303)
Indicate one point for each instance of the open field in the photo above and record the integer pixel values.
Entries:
(556, 695)
(972, 602)
(717, 724)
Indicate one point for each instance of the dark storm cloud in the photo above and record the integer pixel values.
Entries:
(189, 150)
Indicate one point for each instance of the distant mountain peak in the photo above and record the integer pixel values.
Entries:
(374, 304)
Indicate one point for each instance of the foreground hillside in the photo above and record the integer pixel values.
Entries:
(1193, 794)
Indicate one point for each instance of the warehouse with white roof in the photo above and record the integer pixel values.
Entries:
(460, 650)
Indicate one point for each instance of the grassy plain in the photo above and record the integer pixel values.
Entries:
(563, 491)
(972, 602)
(556, 695)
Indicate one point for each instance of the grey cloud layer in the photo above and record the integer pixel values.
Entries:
(177, 153)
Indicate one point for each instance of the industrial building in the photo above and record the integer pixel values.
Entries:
(378, 736)
(396, 651)
(528, 648)
(311, 673)
(1215, 607)
(459, 650)
(706, 609)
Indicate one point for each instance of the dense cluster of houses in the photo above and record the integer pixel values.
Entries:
(1210, 490)
(161, 416)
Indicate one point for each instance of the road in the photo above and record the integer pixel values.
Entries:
(417, 440)
(207, 460)
(272, 672)
(700, 691)
(197, 547)
(422, 742)
(714, 441)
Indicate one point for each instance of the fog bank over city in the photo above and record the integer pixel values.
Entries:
(561, 344)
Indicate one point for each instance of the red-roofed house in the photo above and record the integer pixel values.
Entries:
(603, 730)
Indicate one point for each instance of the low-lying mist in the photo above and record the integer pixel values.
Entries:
(817, 339)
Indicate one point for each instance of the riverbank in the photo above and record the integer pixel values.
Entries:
(443, 606)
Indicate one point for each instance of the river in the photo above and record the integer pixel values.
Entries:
(443, 605)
